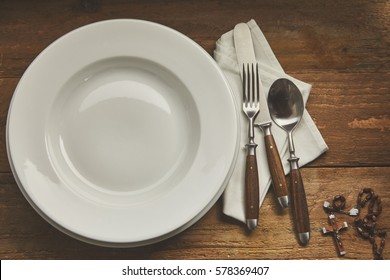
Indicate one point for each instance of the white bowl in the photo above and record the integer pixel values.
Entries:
(122, 133)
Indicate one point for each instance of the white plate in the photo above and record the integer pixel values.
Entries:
(122, 133)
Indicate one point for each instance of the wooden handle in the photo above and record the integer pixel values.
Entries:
(299, 203)
(251, 188)
(275, 167)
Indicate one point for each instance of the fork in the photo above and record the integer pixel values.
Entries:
(251, 108)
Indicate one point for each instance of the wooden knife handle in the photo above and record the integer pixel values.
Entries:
(299, 204)
(251, 188)
(275, 167)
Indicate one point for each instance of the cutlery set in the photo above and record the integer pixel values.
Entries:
(284, 107)
(123, 88)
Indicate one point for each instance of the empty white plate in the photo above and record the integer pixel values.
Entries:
(122, 133)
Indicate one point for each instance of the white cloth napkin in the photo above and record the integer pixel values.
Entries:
(308, 141)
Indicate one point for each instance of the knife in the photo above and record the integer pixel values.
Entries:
(245, 54)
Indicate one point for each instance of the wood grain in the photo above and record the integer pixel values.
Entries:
(215, 236)
(342, 48)
(299, 203)
(251, 188)
(279, 181)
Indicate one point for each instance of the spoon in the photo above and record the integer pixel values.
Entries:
(286, 108)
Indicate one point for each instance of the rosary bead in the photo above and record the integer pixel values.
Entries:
(365, 226)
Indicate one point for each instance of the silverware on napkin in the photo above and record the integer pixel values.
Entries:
(245, 55)
(251, 108)
(286, 104)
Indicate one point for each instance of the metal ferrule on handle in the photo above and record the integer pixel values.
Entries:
(293, 159)
(251, 146)
(266, 127)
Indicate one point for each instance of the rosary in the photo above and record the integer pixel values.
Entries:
(365, 226)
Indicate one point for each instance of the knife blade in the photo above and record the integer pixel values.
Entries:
(245, 54)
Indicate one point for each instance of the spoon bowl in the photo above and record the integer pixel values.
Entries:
(285, 103)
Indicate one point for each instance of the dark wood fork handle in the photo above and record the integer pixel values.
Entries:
(251, 191)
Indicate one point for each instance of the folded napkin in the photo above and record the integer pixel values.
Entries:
(308, 141)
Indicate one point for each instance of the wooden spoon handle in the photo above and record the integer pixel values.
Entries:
(299, 204)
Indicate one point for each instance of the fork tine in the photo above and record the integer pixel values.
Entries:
(257, 84)
(249, 84)
(253, 85)
(244, 85)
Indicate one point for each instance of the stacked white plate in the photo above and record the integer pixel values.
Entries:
(122, 133)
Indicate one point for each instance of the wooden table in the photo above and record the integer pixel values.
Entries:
(341, 47)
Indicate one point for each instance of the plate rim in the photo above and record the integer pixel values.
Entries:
(146, 241)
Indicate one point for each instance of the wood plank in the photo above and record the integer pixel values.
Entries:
(322, 36)
(7, 87)
(340, 47)
(215, 236)
(350, 110)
